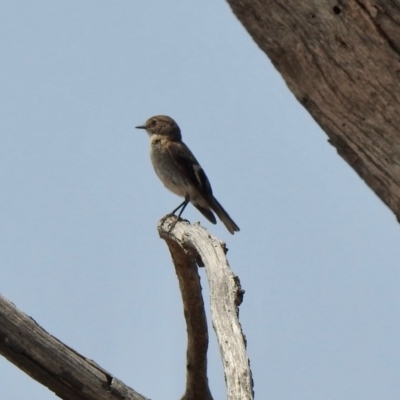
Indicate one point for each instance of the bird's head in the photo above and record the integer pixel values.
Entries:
(163, 126)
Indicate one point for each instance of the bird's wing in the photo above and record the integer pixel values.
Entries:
(187, 164)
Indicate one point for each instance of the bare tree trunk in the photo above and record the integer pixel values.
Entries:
(341, 61)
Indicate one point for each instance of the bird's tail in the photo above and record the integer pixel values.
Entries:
(223, 216)
(207, 213)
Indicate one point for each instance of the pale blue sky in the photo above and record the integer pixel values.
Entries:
(79, 252)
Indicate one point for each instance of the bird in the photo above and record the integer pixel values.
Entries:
(180, 172)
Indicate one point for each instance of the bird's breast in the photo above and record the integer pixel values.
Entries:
(166, 168)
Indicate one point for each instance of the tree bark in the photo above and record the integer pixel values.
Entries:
(53, 364)
(196, 355)
(73, 377)
(341, 61)
(191, 244)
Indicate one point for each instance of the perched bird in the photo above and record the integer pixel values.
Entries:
(180, 172)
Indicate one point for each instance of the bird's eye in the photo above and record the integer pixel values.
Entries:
(153, 122)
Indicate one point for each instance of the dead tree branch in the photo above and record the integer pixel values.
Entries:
(53, 364)
(191, 244)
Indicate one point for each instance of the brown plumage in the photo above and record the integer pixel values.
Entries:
(180, 172)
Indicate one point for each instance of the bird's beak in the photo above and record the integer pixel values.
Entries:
(141, 127)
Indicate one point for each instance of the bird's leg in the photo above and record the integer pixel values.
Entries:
(182, 206)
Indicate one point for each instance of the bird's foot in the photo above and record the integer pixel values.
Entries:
(173, 225)
(177, 218)
(163, 219)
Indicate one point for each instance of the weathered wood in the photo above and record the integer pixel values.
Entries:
(196, 355)
(341, 60)
(226, 295)
(58, 367)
